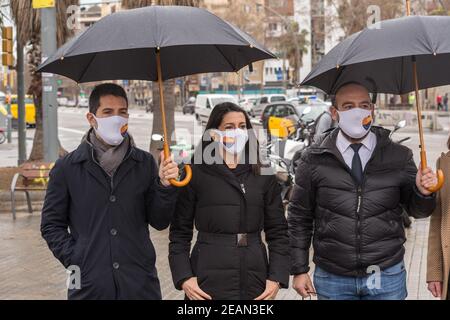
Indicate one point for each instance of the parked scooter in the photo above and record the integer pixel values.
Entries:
(281, 152)
(298, 140)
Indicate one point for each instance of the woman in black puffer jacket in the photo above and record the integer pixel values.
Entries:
(230, 202)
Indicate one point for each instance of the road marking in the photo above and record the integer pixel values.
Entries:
(72, 130)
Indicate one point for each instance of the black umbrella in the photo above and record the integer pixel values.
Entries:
(393, 56)
(155, 43)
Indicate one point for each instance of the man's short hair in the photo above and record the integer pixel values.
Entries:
(102, 90)
(333, 96)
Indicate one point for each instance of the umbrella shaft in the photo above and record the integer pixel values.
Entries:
(161, 104)
(423, 158)
(408, 7)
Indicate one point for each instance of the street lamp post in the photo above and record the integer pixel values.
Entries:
(49, 104)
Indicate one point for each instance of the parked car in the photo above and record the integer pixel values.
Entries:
(148, 105)
(264, 101)
(189, 106)
(280, 119)
(30, 110)
(248, 104)
(83, 103)
(298, 100)
(62, 101)
(71, 103)
(206, 102)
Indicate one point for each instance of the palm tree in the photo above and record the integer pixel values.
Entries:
(294, 45)
(169, 85)
(28, 24)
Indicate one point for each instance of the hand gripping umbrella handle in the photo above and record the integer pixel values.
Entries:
(440, 183)
(166, 149)
(187, 169)
(439, 173)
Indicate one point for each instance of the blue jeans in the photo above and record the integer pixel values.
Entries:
(389, 284)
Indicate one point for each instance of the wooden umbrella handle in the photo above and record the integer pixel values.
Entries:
(166, 149)
(440, 183)
(187, 169)
(439, 173)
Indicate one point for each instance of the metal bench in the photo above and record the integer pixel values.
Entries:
(31, 177)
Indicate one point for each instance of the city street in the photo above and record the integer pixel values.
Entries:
(29, 271)
(72, 125)
(284, 71)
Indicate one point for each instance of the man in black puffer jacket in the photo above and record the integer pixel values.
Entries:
(350, 190)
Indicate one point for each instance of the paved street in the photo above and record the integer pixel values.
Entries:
(29, 271)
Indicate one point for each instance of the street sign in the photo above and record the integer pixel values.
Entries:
(39, 4)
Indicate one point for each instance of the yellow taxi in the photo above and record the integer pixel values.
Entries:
(30, 109)
(280, 119)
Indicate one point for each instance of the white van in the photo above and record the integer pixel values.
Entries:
(206, 102)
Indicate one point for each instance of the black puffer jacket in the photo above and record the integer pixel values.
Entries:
(222, 204)
(353, 227)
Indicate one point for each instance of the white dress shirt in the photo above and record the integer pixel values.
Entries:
(365, 152)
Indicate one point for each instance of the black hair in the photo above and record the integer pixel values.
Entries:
(105, 89)
(216, 118)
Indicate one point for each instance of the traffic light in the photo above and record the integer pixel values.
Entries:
(7, 46)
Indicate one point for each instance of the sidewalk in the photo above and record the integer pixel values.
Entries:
(28, 270)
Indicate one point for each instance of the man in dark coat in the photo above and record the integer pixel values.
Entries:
(350, 192)
(99, 203)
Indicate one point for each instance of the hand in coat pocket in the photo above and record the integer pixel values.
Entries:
(193, 291)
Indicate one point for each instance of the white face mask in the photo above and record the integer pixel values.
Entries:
(234, 140)
(355, 122)
(112, 129)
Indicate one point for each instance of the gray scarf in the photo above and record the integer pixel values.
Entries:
(109, 157)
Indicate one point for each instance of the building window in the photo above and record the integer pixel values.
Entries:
(273, 26)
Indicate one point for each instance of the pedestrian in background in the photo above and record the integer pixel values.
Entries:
(446, 102)
(439, 102)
